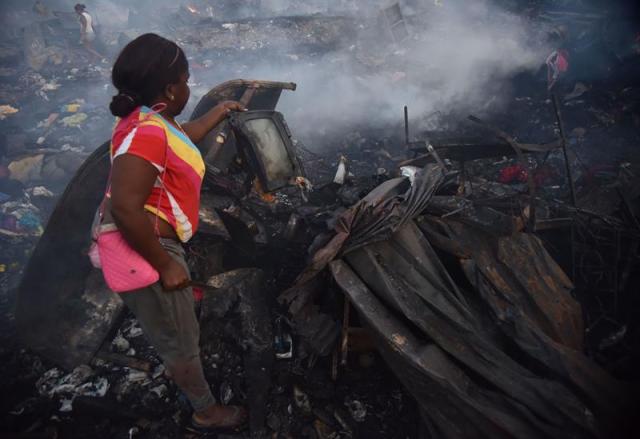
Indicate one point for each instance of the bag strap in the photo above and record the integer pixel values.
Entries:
(164, 189)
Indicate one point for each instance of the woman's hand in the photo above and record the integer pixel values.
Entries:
(173, 276)
(228, 106)
(198, 129)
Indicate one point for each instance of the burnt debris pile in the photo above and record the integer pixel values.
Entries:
(466, 268)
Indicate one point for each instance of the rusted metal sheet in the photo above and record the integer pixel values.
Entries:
(467, 212)
(526, 277)
(514, 334)
(547, 285)
(375, 217)
(529, 296)
(407, 276)
(451, 400)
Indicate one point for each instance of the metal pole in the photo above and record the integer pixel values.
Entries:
(572, 188)
(406, 126)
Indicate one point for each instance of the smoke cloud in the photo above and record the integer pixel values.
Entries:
(458, 58)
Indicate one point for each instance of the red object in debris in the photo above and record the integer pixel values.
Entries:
(513, 174)
(557, 64)
(4, 171)
(198, 293)
(562, 61)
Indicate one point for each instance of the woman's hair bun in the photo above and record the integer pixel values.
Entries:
(123, 104)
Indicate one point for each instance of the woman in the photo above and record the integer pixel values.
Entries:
(87, 30)
(154, 200)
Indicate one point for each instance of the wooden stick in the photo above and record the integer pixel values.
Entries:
(572, 188)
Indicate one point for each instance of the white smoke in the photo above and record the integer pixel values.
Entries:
(458, 58)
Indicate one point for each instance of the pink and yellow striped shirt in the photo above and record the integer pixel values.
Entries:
(146, 134)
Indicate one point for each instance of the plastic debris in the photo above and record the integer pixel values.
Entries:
(342, 172)
(50, 86)
(120, 344)
(73, 107)
(21, 217)
(513, 174)
(27, 169)
(7, 110)
(68, 148)
(301, 400)
(39, 191)
(409, 172)
(74, 121)
(47, 381)
(158, 371)
(66, 405)
(283, 341)
(160, 390)
(133, 330)
(98, 388)
(357, 409)
(28, 221)
(82, 381)
(136, 375)
(226, 393)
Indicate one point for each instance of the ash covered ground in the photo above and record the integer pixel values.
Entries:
(356, 68)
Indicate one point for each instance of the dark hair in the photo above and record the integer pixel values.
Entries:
(142, 71)
(79, 7)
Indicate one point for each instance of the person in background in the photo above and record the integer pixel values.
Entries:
(557, 66)
(87, 31)
(154, 200)
(558, 61)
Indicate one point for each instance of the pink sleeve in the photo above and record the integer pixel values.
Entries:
(147, 141)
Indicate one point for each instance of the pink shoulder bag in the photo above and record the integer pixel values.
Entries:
(123, 267)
